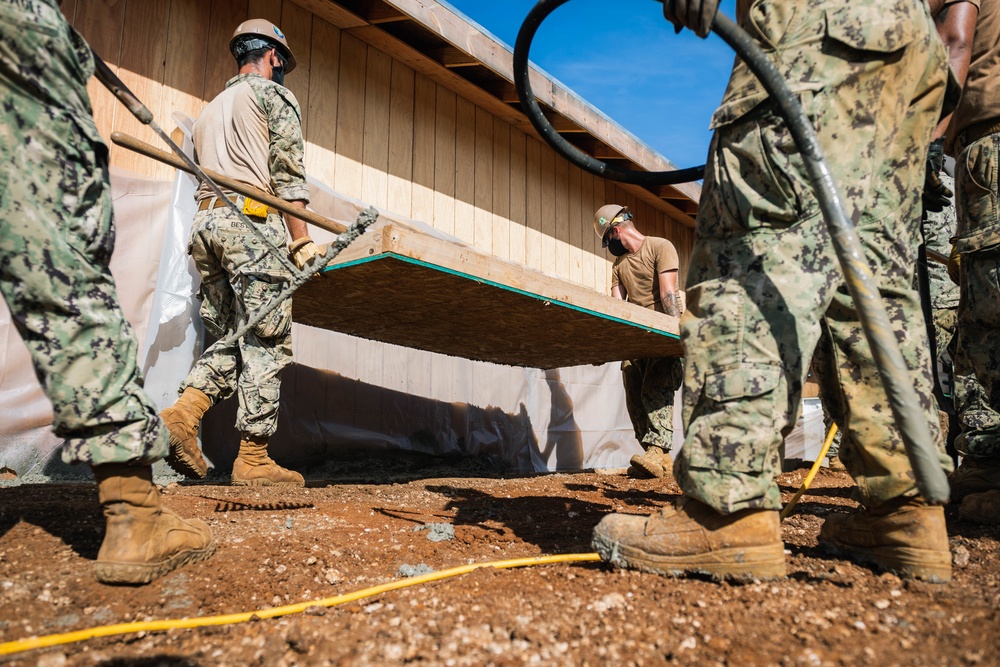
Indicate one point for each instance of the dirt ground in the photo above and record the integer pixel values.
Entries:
(355, 529)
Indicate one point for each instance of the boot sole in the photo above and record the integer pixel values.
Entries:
(184, 463)
(263, 482)
(143, 573)
(907, 562)
(742, 564)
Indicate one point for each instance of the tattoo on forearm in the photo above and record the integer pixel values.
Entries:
(670, 306)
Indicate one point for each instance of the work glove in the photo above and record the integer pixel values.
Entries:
(954, 265)
(936, 195)
(304, 252)
(694, 14)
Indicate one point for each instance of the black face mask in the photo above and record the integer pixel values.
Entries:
(616, 248)
(278, 75)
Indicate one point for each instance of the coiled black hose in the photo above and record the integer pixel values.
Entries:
(910, 419)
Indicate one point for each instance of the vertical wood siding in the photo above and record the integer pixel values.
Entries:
(374, 129)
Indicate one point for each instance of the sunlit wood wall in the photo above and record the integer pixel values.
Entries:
(374, 129)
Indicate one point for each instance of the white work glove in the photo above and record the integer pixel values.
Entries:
(304, 252)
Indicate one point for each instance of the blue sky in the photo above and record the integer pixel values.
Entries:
(625, 59)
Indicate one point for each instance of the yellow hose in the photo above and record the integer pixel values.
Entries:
(20, 645)
(812, 473)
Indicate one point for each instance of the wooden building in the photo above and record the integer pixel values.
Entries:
(409, 107)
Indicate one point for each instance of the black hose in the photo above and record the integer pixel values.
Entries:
(586, 162)
(910, 419)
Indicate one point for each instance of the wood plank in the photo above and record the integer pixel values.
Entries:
(141, 67)
(588, 237)
(265, 9)
(501, 190)
(68, 9)
(484, 180)
(220, 66)
(533, 198)
(324, 93)
(424, 125)
(184, 84)
(465, 170)
(374, 172)
(401, 139)
(101, 24)
(547, 181)
(350, 115)
(511, 315)
(562, 217)
(444, 162)
(576, 224)
(332, 13)
(518, 196)
(297, 24)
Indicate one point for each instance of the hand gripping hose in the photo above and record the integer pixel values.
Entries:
(913, 426)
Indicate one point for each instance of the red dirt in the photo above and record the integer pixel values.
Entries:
(357, 529)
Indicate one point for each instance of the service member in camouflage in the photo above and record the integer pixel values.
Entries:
(645, 273)
(251, 132)
(56, 239)
(973, 138)
(765, 290)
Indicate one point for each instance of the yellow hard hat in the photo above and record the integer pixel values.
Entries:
(260, 33)
(606, 217)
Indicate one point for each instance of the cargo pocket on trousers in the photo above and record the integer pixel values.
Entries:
(736, 419)
(260, 291)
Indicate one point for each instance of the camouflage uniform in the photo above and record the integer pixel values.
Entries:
(765, 288)
(938, 229)
(239, 276)
(650, 385)
(56, 241)
(977, 360)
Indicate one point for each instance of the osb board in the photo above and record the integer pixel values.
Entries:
(400, 286)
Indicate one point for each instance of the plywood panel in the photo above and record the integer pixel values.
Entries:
(375, 154)
(517, 196)
(141, 68)
(321, 112)
(547, 182)
(576, 224)
(424, 126)
(101, 23)
(501, 189)
(509, 314)
(562, 217)
(465, 170)
(533, 196)
(350, 115)
(265, 9)
(184, 78)
(401, 139)
(220, 66)
(444, 162)
(588, 236)
(297, 24)
(484, 180)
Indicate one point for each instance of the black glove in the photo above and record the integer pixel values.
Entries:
(694, 14)
(936, 195)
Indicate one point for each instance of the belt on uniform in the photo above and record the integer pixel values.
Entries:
(974, 133)
(246, 204)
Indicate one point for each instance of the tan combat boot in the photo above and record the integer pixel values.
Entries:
(905, 536)
(974, 476)
(143, 540)
(182, 420)
(253, 467)
(982, 507)
(655, 462)
(690, 537)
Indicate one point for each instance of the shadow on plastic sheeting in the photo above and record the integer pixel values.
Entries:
(332, 427)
